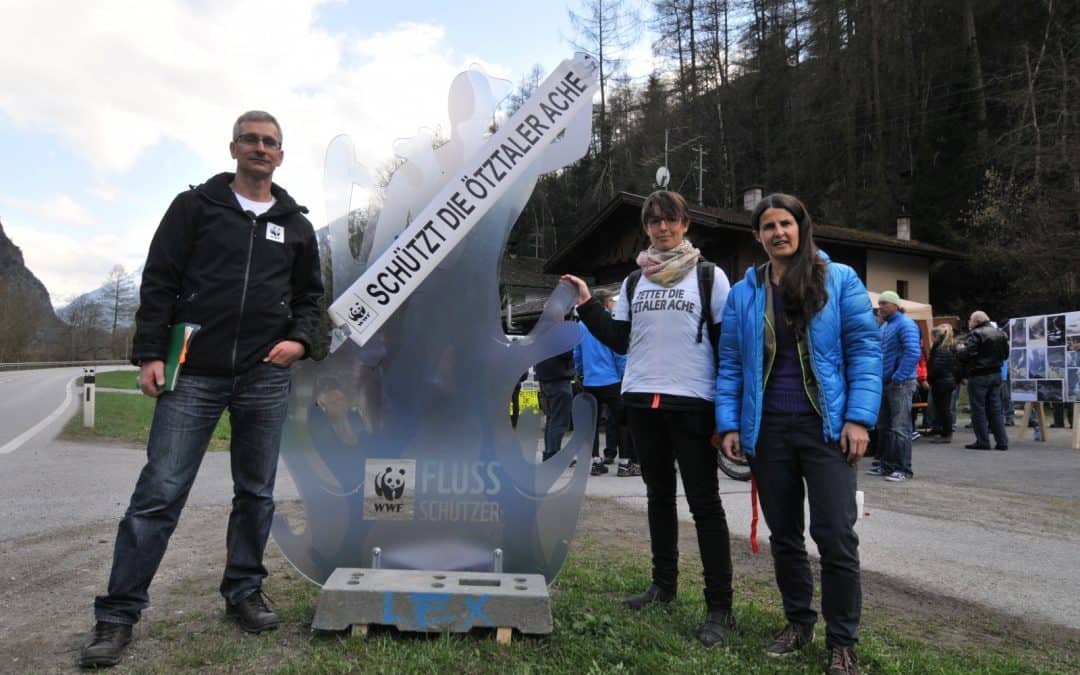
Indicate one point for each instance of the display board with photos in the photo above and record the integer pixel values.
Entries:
(1044, 357)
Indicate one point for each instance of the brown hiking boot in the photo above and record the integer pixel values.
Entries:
(842, 661)
(790, 640)
(252, 613)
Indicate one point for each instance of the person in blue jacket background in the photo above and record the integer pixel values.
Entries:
(600, 369)
(900, 352)
(799, 385)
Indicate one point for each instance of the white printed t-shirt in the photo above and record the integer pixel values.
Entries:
(664, 356)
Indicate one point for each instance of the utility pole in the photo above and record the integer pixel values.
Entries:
(701, 173)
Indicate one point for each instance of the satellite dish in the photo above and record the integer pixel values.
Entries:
(663, 176)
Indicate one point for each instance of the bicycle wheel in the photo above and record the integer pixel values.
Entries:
(734, 469)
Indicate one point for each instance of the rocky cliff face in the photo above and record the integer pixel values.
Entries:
(28, 326)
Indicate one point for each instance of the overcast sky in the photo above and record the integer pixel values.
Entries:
(109, 108)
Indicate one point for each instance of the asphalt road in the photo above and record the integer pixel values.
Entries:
(996, 528)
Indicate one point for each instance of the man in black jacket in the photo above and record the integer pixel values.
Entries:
(981, 352)
(236, 256)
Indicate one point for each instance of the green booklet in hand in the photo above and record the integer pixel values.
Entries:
(180, 335)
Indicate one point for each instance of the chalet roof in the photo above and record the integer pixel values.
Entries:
(739, 221)
(525, 272)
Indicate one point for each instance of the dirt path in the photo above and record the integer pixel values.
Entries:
(49, 581)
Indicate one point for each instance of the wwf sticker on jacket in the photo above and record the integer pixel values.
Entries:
(389, 489)
(275, 233)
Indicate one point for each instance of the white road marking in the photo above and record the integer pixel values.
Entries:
(34, 430)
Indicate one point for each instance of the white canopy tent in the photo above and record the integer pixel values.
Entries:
(915, 310)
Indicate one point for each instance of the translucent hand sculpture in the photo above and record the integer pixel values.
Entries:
(405, 444)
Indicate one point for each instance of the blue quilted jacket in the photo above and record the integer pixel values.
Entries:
(900, 348)
(846, 356)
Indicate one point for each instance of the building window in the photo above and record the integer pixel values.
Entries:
(902, 288)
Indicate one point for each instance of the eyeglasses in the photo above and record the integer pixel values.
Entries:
(269, 142)
(654, 221)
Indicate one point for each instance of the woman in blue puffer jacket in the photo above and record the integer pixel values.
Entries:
(799, 384)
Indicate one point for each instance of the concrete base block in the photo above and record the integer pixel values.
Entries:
(430, 601)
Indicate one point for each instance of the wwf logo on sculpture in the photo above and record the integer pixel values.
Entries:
(390, 485)
(390, 489)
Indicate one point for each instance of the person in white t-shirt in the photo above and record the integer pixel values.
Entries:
(668, 390)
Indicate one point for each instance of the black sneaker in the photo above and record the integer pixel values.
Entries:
(652, 594)
(790, 640)
(842, 661)
(627, 470)
(976, 446)
(252, 613)
(106, 645)
(718, 623)
(598, 469)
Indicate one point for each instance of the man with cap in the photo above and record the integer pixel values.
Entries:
(900, 350)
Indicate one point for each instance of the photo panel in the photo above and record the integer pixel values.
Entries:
(1072, 387)
(1024, 390)
(1018, 364)
(1055, 330)
(1036, 362)
(1036, 330)
(1055, 363)
(1072, 323)
(1050, 390)
(1072, 359)
(1018, 332)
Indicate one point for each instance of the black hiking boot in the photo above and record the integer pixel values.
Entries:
(652, 594)
(718, 623)
(106, 645)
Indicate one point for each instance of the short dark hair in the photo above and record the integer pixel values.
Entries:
(603, 296)
(255, 116)
(671, 206)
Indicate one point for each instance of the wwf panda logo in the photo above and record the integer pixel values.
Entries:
(358, 313)
(390, 486)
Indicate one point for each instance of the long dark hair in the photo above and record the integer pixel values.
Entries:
(803, 285)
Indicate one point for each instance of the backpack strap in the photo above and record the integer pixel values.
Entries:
(706, 275)
(632, 280)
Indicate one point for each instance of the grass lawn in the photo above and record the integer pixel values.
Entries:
(126, 417)
(593, 633)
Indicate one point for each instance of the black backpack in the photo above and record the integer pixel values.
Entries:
(706, 273)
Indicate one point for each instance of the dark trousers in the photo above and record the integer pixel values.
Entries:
(663, 437)
(183, 422)
(941, 399)
(558, 395)
(984, 395)
(616, 432)
(791, 462)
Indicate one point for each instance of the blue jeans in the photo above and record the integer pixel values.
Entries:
(894, 426)
(984, 394)
(183, 422)
(558, 395)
